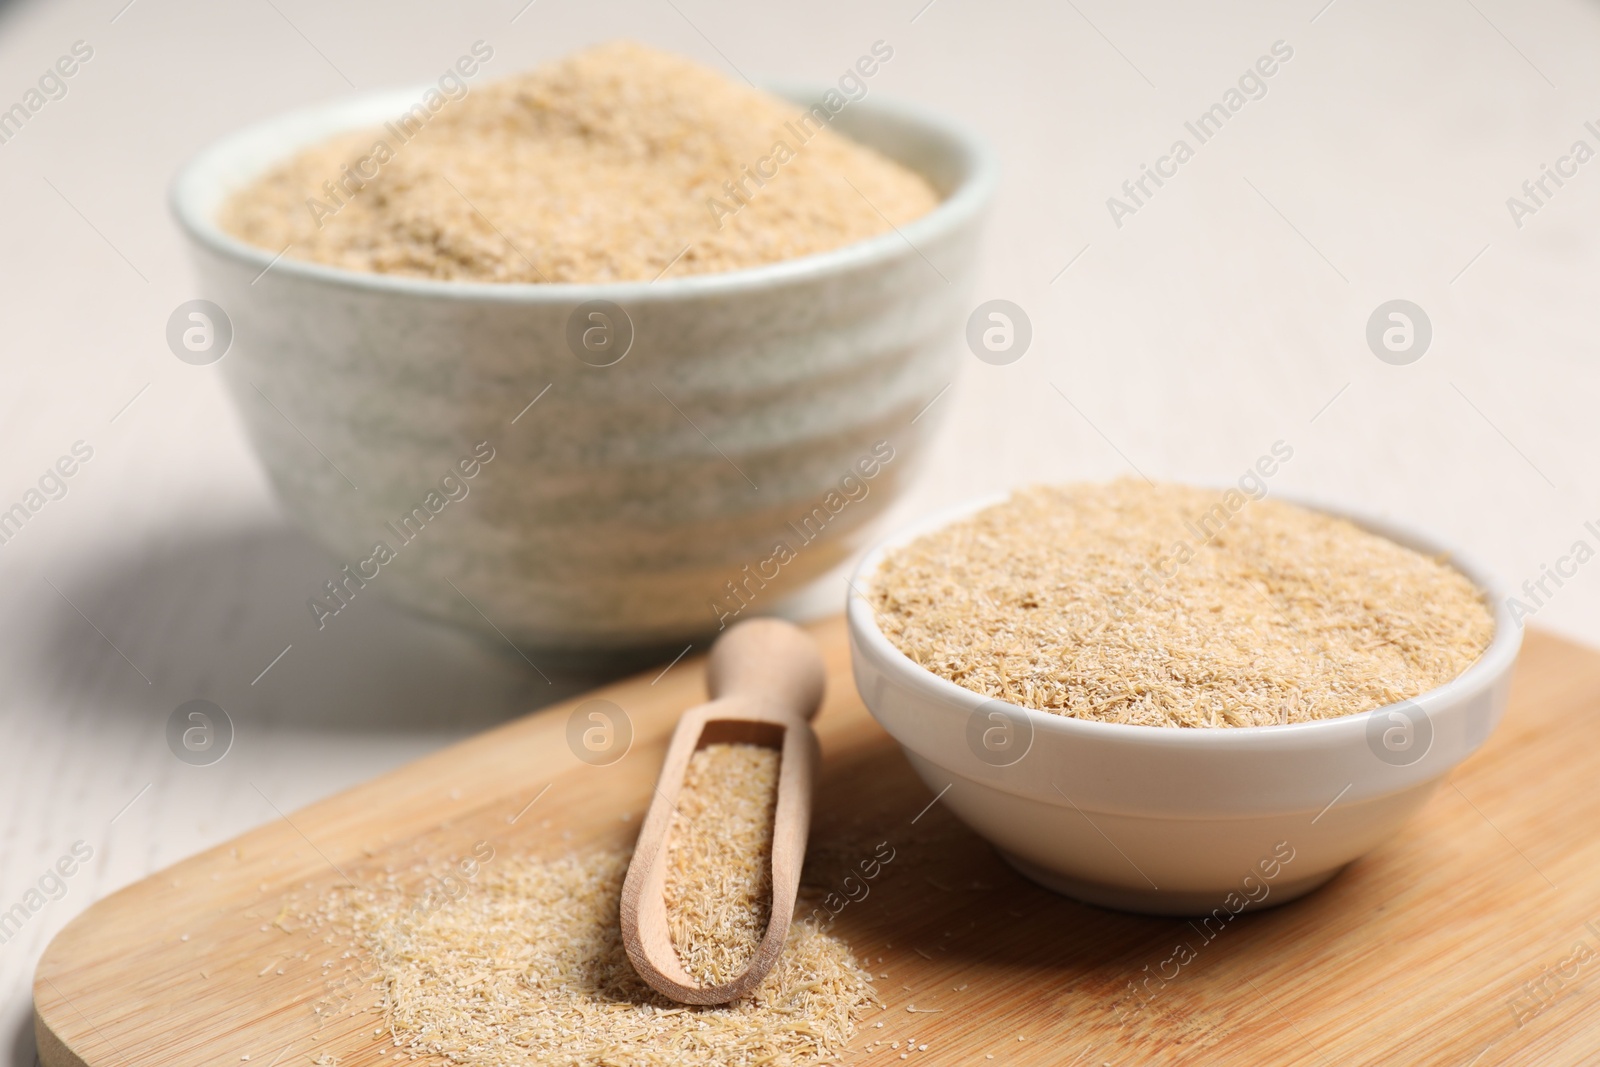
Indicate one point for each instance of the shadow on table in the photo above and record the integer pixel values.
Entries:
(23, 1052)
(223, 616)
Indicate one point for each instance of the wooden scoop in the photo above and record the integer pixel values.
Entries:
(766, 679)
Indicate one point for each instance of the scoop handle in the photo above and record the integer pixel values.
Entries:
(771, 662)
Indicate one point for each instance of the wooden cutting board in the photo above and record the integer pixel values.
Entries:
(1471, 939)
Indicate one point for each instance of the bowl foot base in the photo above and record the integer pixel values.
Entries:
(1159, 901)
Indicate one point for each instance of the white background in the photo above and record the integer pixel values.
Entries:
(1222, 317)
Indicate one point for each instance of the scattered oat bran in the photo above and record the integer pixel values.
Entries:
(1077, 600)
(719, 854)
(528, 967)
(597, 167)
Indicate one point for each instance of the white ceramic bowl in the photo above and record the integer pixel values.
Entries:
(1178, 821)
(616, 510)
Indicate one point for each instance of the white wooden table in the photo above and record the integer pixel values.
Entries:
(1226, 313)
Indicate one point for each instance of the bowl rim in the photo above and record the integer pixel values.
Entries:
(1495, 661)
(198, 181)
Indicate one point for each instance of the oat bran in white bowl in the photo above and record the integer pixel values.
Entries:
(616, 510)
(1175, 818)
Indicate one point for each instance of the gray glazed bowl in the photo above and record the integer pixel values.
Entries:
(616, 510)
